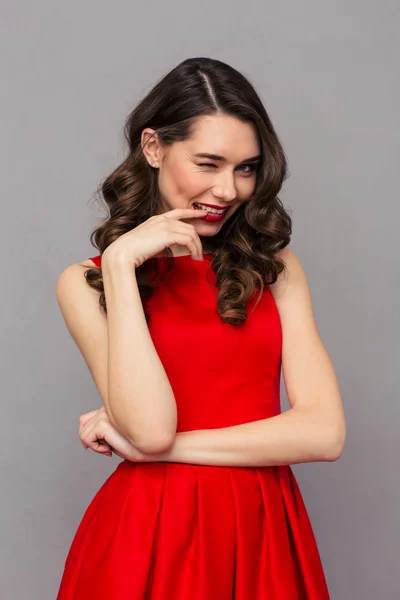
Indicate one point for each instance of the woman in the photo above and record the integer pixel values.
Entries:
(185, 318)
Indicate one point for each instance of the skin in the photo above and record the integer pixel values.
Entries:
(184, 179)
(313, 429)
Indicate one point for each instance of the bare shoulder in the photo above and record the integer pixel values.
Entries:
(79, 302)
(71, 285)
(292, 278)
(75, 268)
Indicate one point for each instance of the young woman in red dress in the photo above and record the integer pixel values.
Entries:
(185, 318)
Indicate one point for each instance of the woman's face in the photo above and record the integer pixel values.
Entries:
(225, 180)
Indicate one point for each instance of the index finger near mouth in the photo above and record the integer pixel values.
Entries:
(183, 211)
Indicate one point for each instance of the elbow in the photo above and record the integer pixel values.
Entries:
(335, 448)
(152, 444)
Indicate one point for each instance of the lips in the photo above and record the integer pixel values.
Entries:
(211, 217)
(213, 206)
(223, 208)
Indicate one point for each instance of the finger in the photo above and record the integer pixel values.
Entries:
(191, 240)
(99, 448)
(176, 225)
(102, 448)
(185, 213)
(87, 424)
(93, 436)
(105, 453)
(88, 417)
(83, 419)
(90, 414)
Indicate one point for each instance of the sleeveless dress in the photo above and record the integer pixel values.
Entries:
(176, 531)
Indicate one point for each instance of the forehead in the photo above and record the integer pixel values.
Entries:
(225, 135)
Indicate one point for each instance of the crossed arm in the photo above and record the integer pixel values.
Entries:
(313, 429)
(295, 436)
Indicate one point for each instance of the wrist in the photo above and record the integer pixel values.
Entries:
(117, 259)
(117, 266)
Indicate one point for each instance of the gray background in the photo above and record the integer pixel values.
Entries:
(328, 75)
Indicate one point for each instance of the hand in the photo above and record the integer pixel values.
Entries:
(97, 432)
(157, 233)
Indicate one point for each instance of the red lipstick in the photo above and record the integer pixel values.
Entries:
(212, 217)
(215, 206)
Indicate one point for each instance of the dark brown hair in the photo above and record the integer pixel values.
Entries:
(243, 251)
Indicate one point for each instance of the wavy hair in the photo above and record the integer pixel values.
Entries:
(244, 250)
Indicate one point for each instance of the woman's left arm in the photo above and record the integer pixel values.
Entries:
(294, 436)
(313, 429)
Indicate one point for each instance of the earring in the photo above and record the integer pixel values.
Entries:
(153, 164)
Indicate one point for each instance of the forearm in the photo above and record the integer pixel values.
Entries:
(294, 436)
(140, 397)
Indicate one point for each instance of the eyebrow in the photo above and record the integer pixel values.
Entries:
(223, 159)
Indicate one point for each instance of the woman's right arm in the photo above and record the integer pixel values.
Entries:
(118, 348)
(140, 395)
(119, 353)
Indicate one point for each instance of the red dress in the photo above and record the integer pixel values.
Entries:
(176, 531)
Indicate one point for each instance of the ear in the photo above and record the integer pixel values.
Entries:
(151, 146)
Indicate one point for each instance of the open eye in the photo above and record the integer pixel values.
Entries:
(251, 167)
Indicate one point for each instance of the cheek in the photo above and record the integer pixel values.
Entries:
(245, 189)
(186, 184)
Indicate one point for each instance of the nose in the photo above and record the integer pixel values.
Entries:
(225, 188)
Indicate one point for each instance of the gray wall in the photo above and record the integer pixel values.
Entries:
(328, 74)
